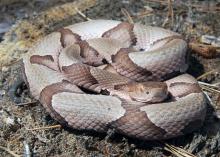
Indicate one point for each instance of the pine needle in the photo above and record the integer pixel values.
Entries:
(205, 74)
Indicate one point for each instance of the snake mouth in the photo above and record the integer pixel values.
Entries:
(141, 100)
(149, 97)
(153, 100)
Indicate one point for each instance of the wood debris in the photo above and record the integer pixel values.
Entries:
(207, 51)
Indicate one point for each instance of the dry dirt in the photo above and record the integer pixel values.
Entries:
(15, 120)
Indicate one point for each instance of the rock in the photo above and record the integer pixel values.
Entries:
(211, 40)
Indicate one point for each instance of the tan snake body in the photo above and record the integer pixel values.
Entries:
(105, 74)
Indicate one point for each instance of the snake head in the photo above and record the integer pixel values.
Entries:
(147, 92)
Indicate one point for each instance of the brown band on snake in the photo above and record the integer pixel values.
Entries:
(89, 54)
(124, 66)
(39, 59)
(107, 79)
(24, 74)
(132, 86)
(109, 68)
(68, 37)
(47, 94)
(123, 32)
(46, 60)
(170, 75)
(135, 123)
(192, 126)
(80, 75)
(187, 88)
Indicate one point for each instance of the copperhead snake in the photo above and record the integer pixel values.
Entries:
(104, 74)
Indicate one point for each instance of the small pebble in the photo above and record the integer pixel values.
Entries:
(4, 69)
(4, 27)
(217, 114)
(207, 39)
(2, 93)
(9, 121)
(216, 43)
(148, 8)
(211, 40)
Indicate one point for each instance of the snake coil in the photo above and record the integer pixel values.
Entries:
(105, 74)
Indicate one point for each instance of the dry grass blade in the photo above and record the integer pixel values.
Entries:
(46, 127)
(201, 8)
(82, 15)
(127, 15)
(9, 151)
(205, 74)
(209, 87)
(169, 14)
(26, 103)
(179, 152)
(159, 1)
(171, 11)
(148, 11)
(211, 90)
(207, 84)
(209, 99)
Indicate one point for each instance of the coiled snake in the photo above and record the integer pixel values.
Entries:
(105, 74)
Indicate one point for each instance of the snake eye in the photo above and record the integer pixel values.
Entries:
(147, 92)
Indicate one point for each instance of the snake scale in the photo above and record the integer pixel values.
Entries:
(105, 74)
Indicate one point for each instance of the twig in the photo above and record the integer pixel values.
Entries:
(46, 127)
(14, 62)
(207, 51)
(82, 15)
(127, 15)
(9, 151)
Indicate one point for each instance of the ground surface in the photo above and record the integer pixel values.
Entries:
(15, 120)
